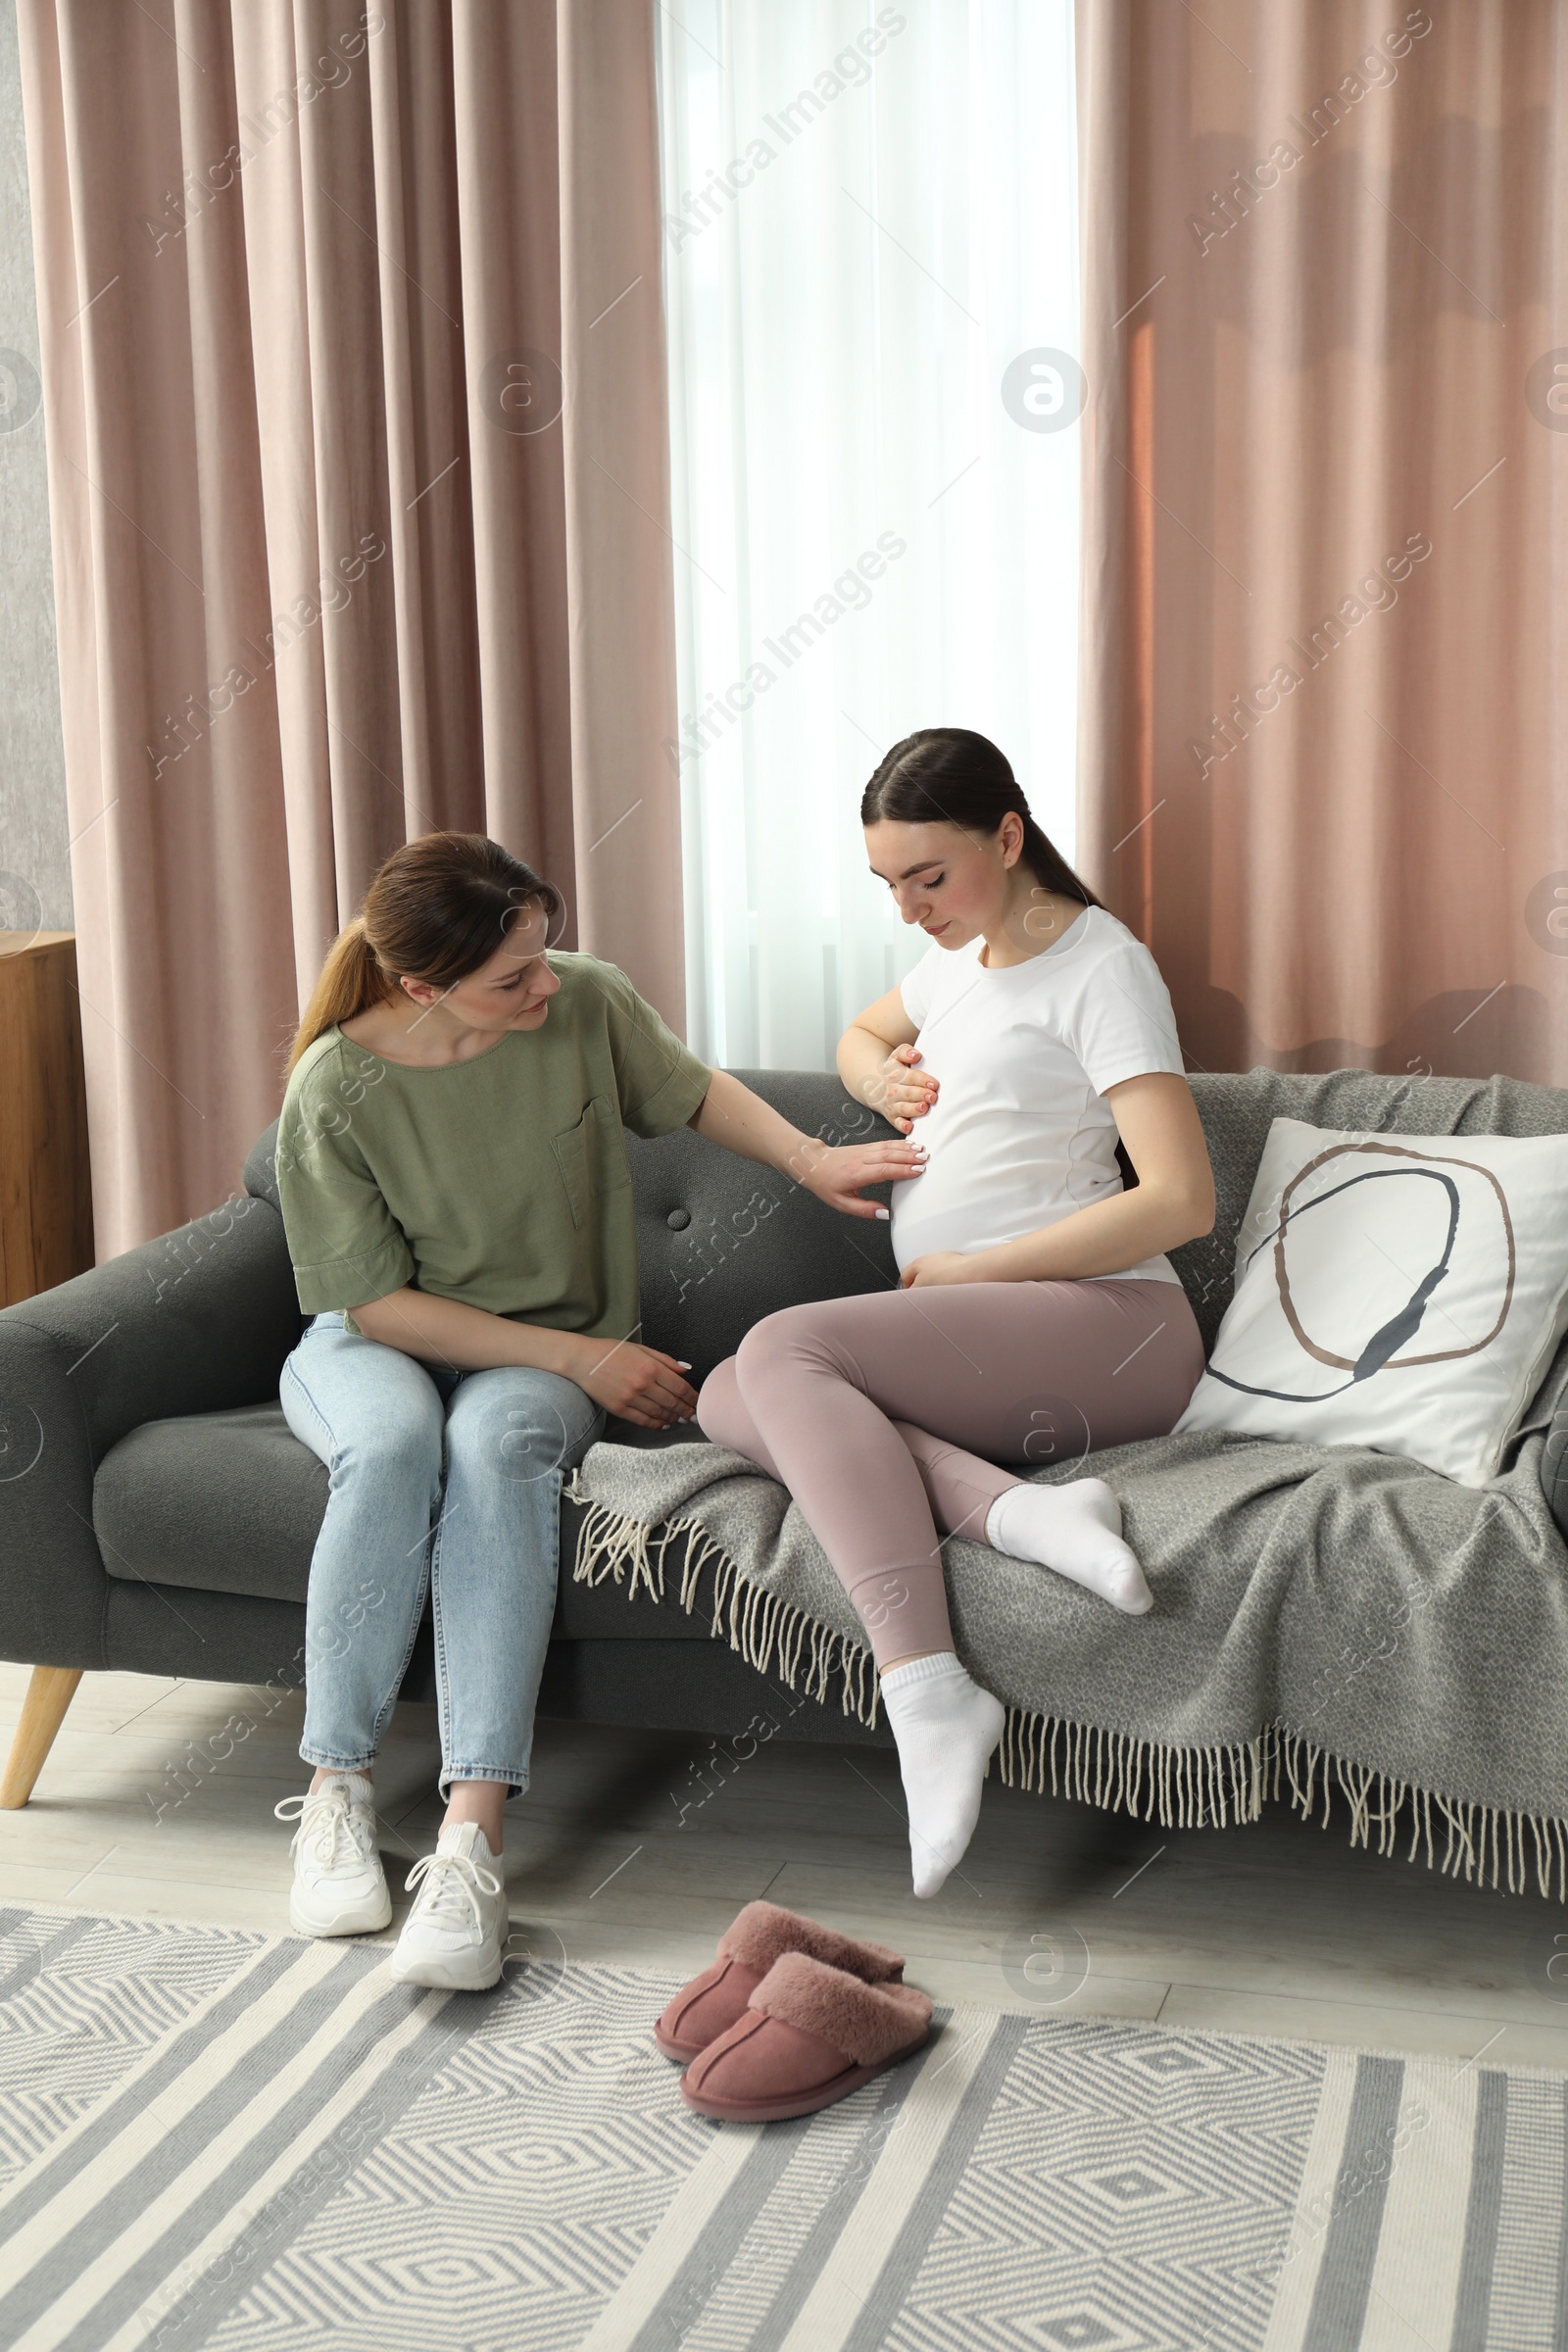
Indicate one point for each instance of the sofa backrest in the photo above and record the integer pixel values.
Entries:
(722, 1241)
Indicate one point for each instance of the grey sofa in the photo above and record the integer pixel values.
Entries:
(157, 1516)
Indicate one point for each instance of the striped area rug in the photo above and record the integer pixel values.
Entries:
(217, 2139)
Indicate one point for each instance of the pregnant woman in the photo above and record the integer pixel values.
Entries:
(1038, 1315)
(453, 1171)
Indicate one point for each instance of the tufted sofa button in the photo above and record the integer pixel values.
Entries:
(678, 1219)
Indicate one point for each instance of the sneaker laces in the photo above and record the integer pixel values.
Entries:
(450, 1896)
(326, 1817)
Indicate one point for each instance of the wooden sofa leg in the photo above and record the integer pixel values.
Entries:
(50, 1693)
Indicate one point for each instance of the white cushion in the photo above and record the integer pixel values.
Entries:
(1435, 1266)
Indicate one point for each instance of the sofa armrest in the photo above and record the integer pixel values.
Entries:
(193, 1322)
(54, 1593)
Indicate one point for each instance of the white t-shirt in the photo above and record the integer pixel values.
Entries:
(1020, 1134)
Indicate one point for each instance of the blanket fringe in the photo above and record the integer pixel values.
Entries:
(1120, 1772)
(1490, 1845)
(769, 1632)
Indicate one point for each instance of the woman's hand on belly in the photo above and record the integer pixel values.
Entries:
(943, 1265)
(730, 1115)
(837, 1175)
(899, 1091)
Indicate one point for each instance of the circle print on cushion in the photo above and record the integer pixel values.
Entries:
(1402, 1293)
(1377, 1352)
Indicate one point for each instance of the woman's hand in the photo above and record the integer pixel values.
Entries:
(903, 1093)
(939, 1266)
(837, 1175)
(732, 1115)
(640, 1384)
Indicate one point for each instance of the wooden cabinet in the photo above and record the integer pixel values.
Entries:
(45, 1183)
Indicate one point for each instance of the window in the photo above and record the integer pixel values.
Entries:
(871, 281)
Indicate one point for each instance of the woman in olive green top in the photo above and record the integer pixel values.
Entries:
(451, 1165)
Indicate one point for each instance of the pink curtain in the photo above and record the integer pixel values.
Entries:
(354, 378)
(1326, 485)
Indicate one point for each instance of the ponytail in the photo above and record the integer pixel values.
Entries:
(438, 909)
(351, 981)
(1051, 869)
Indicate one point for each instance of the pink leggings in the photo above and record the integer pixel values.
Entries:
(865, 1407)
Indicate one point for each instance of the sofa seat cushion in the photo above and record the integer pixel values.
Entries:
(222, 1502)
(232, 1502)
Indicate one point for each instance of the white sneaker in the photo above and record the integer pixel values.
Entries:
(453, 1937)
(339, 1886)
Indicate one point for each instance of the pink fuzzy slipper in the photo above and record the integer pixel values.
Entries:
(761, 1935)
(809, 2034)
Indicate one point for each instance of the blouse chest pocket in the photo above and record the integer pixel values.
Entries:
(592, 1158)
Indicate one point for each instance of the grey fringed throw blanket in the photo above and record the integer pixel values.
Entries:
(1326, 1619)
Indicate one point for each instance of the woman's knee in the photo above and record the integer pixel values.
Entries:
(389, 1428)
(519, 1429)
(792, 1335)
(725, 1416)
(720, 1414)
(400, 1445)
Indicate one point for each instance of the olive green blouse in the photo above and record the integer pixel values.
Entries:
(502, 1181)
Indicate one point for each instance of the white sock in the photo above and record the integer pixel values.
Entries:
(1076, 1530)
(480, 1851)
(358, 1784)
(946, 1726)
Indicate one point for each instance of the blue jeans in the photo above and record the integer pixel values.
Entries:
(451, 1478)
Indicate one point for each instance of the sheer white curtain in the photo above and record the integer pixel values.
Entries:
(871, 281)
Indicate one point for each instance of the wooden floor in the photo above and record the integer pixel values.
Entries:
(158, 1800)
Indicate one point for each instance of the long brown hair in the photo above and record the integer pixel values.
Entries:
(951, 776)
(438, 909)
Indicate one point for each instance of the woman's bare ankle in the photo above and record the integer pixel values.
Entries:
(482, 1801)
